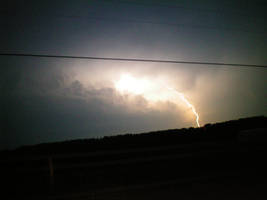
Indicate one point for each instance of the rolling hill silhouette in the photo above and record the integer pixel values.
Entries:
(218, 132)
(227, 152)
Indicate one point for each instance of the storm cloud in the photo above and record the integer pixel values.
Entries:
(44, 104)
(49, 99)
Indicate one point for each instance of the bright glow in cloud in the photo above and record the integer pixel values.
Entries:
(152, 91)
(129, 84)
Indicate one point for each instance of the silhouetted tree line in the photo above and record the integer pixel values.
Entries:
(27, 176)
(218, 132)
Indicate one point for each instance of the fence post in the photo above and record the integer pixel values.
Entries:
(51, 170)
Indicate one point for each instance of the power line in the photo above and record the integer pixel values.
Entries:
(132, 60)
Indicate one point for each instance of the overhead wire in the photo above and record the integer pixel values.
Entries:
(144, 22)
(133, 60)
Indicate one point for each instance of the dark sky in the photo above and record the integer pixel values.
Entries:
(49, 99)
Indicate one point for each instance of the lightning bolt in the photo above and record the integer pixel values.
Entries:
(140, 86)
(181, 95)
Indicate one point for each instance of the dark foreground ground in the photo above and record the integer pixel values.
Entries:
(223, 161)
